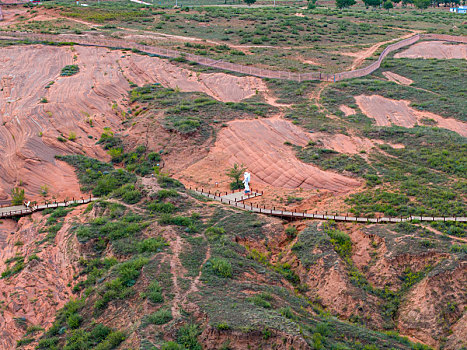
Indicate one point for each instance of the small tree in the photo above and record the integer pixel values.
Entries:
(17, 196)
(374, 3)
(388, 5)
(249, 2)
(44, 190)
(235, 173)
(422, 4)
(345, 3)
(312, 4)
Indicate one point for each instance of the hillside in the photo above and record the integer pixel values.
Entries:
(152, 264)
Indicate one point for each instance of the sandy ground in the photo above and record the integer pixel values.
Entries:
(259, 145)
(347, 144)
(434, 49)
(347, 110)
(29, 128)
(399, 79)
(387, 112)
(227, 88)
(11, 15)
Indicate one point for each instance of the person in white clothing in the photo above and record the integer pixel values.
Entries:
(246, 180)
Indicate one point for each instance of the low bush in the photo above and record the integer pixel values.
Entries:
(221, 267)
(188, 336)
(128, 193)
(152, 245)
(154, 292)
(69, 70)
(161, 316)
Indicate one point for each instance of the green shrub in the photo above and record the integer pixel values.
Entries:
(221, 267)
(128, 193)
(74, 320)
(152, 245)
(161, 316)
(69, 70)
(48, 343)
(291, 232)
(163, 194)
(167, 219)
(214, 232)
(111, 341)
(154, 293)
(24, 341)
(223, 326)
(166, 208)
(287, 312)
(188, 337)
(459, 248)
(129, 271)
(261, 300)
(17, 196)
(172, 346)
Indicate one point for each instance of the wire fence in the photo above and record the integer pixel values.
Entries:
(113, 43)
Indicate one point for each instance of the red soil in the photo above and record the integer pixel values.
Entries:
(347, 144)
(259, 145)
(42, 287)
(227, 88)
(399, 79)
(386, 112)
(347, 110)
(96, 95)
(434, 49)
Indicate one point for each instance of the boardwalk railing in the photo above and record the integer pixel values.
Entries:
(8, 212)
(326, 216)
(101, 41)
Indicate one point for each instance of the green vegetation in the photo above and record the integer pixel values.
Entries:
(95, 336)
(16, 268)
(128, 193)
(189, 113)
(330, 159)
(441, 94)
(154, 293)
(281, 39)
(345, 3)
(159, 317)
(69, 70)
(139, 161)
(17, 196)
(98, 176)
(221, 267)
(235, 173)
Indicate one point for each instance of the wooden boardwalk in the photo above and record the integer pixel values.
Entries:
(20, 210)
(336, 217)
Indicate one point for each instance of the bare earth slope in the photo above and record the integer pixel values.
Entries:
(386, 112)
(43, 286)
(37, 106)
(259, 145)
(434, 49)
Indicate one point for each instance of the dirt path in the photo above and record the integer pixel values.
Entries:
(436, 232)
(316, 94)
(176, 270)
(361, 56)
(194, 284)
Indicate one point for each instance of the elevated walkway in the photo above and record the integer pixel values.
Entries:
(304, 215)
(20, 210)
